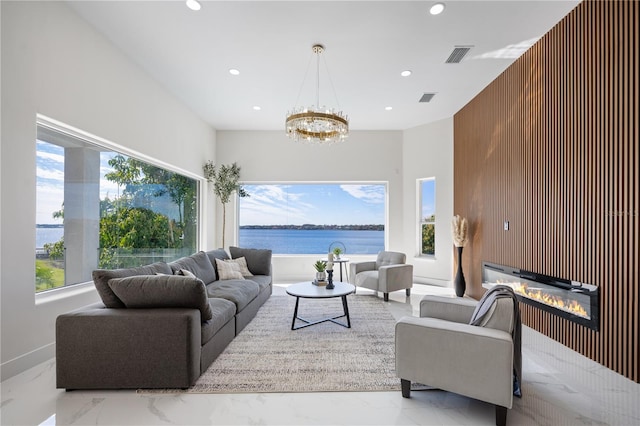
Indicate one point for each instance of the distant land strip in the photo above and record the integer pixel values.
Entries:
(308, 226)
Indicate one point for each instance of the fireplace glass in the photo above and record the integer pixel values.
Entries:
(572, 300)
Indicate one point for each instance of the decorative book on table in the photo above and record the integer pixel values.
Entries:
(320, 283)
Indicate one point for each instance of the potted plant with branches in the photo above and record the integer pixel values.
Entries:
(225, 181)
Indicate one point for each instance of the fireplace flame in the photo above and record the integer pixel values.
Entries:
(571, 306)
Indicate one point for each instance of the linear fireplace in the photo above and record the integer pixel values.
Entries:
(575, 301)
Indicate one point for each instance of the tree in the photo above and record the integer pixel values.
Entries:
(225, 183)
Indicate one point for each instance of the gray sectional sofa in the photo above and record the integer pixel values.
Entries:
(161, 325)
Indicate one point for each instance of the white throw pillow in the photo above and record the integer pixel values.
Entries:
(242, 262)
(228, 270)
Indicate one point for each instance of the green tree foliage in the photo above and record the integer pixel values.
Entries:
(143, 182)
(429, 236)
(55, 250)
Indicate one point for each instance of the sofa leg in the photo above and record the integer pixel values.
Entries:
(386, 297)
(501, 415)
(408, 292)
(405, 385)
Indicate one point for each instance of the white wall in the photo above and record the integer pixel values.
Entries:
(428, 152)
(54, 64)
(269, 156)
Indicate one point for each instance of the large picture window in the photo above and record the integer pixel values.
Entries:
(427, 223)
(296, 218)
(98, 208)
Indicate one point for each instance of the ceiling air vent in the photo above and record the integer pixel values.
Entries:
(426, 97)
(458, 54)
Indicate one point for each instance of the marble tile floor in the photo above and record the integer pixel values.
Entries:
(560, 387)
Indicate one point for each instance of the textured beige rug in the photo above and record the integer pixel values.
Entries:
(267, 356)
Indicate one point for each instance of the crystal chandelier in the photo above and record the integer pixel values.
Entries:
(316, 124)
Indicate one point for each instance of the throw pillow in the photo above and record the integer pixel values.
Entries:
(228, 270)
(242, 263)
(162, 291)
(101, 279)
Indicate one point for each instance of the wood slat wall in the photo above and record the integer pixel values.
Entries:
(552, 146)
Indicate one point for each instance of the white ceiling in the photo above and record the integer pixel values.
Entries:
(368, 44)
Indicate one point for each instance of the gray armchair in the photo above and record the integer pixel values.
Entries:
(441, 349)
(389, 272)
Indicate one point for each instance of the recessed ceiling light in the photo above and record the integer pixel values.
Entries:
(193, 4)
(257, 108)
(437, 9)
(388, 108)
(405, 73)
(234, 71)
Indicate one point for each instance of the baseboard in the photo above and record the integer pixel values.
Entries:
(432, 281)
(26, 361)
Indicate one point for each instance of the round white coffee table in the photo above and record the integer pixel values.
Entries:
(306, 290)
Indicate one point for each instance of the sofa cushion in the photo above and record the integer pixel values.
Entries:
(101, 279)
(262, 280)
(217, 254)
(199, 264)
(228, 270)
(223, 311)
(162, 291)
(258, 260)
(240, 292)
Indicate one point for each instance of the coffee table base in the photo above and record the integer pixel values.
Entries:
(308, 323)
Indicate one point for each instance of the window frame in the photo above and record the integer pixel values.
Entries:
(57, 131)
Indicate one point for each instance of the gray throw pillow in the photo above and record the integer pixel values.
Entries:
(162, 291)
(101, 279)
(258, 260)
(198, 264)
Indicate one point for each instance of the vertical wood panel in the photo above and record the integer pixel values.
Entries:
(552, 145)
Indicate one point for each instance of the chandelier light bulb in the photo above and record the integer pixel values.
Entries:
(194, 4)
(437, 9)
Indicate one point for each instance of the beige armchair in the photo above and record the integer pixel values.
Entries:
(441, 349)
(389, 272)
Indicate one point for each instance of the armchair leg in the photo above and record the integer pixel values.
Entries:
(501, 415)
(386, 297)
(408, 292)
(406, 388)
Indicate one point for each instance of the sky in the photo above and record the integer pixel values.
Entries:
(428, 194)
(318, 204)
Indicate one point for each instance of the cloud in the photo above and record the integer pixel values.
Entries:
(374, 194)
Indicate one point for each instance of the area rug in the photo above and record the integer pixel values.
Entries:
(267, 356)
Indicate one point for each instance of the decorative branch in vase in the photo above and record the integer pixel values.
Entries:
(225, 181)
(459, 232)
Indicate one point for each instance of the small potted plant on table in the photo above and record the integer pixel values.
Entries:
(320, 267)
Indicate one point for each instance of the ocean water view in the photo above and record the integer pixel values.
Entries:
(48, 235)
(312, 241)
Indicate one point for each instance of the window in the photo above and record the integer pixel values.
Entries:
(298, 218)
(98, 208)
(427, 216)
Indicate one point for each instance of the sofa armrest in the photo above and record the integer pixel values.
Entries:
(456, 309)
(107, 348)
(453, 357)
(357, 267)
(395, 277)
